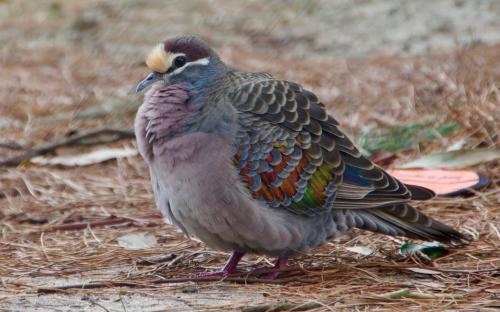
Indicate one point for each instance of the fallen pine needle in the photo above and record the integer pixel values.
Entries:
(407, 293)
(111, 220)
(282, 307)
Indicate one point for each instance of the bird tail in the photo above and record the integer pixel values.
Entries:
(405, 220)
(420, 192)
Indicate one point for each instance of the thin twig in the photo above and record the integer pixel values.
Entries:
(156, 259)
(91, 285)
(72, 140)
(111, 220)
(240, 278)
(10, 144)
(464, 271)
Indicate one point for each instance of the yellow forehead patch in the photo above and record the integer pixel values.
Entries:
(158, 60)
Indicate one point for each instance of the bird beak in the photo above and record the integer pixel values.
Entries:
(149, 80)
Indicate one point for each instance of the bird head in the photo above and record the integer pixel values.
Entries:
(185, 59)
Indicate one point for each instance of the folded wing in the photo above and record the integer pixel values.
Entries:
(292, 155)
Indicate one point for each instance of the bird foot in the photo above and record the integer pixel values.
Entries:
(229, 267)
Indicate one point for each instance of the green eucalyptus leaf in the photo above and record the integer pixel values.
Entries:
(431, 250)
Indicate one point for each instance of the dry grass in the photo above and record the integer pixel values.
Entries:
(37, 89)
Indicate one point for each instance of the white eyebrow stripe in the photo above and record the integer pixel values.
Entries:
(202, 61)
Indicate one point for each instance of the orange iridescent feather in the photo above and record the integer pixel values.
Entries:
(314, 195)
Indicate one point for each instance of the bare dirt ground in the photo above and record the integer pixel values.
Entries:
(69, 66)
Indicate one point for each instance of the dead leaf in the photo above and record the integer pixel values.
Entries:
(430, 250)
(454, 159)
(365, 251)
(91, 158)
(139, 240)
(441, 181)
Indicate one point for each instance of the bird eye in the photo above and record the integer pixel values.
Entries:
(180, 61)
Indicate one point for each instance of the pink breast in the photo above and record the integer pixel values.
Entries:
(161, 117)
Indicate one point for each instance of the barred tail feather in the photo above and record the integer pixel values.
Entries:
(419, 192)
(405, 220)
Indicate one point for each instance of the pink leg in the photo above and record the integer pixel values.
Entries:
(273, 272)
(229, 267)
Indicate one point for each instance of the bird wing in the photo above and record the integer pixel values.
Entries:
(291, 154)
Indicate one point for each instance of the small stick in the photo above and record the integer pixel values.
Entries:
(83, 225)
(176, 260)
(236, 278)
(10, 144)
(111, 220)
(91, 285)
(72, 140)
(156, 259)
(405, 266)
